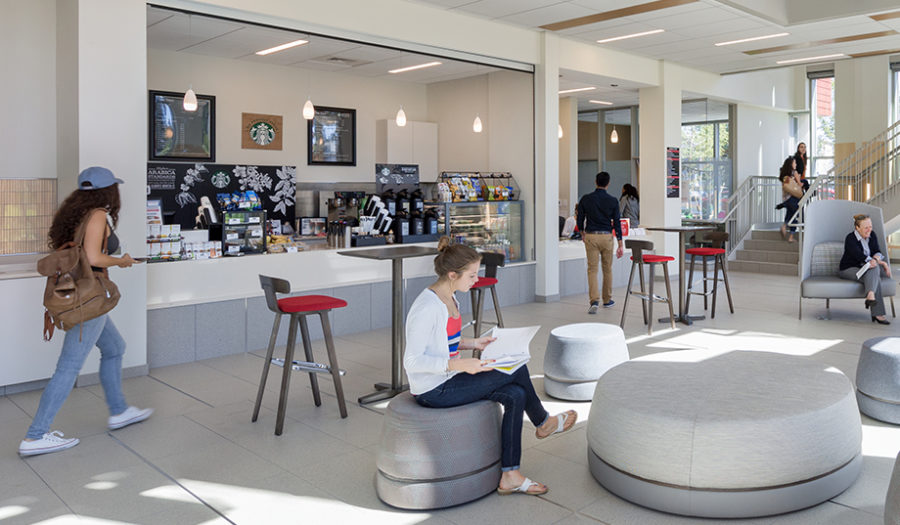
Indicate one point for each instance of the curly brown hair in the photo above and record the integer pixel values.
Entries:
(75, 208)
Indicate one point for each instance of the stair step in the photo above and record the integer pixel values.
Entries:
(766, 235)
(771, 246)
(763, 256)
(762, 267)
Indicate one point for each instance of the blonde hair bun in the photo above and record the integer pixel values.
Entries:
(443, 243)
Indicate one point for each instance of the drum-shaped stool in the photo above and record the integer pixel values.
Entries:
(577, 355)
(724, 434)
(878, 379)
(431, 458)
(892, 503)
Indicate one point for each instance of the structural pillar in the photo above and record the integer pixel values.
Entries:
(546, 180)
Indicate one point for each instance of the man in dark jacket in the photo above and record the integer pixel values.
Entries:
(598, 218)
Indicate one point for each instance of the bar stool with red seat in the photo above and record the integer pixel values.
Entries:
(491, 262)
(639, 258)
(298, 308)
(717, 252)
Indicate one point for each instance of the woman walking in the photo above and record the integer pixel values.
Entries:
(96, 202)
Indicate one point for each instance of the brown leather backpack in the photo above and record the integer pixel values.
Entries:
(74, 293)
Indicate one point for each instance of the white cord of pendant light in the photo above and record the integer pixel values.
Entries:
(614, 136)
(401, 117)
(190, 98)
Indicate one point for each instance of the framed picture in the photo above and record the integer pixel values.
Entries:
(176, 134)
(313, 226)
(331, 136)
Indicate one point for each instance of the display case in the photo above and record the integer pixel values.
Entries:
(243, 232)
(490, 226)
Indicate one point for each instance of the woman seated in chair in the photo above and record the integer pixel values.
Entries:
(861, 249)
(440, 378)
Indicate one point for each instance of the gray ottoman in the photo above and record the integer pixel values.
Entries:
(731, 434)
(892, 503)
(577, 355)
(878, 379)
(432, 458)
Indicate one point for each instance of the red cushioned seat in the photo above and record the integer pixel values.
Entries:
(648, 258)
(484, 281)
(309, 303)
(705, 251)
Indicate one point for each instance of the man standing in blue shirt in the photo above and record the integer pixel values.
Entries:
(598, 217)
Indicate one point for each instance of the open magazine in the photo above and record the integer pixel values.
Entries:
(510, 350)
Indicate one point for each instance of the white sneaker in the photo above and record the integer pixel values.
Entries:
(50, 442)
(131, 415)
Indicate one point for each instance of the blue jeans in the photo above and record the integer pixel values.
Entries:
(791, 205)
(101, 332)
(515, 392)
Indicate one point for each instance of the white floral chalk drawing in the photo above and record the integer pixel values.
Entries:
(250, 177)
(285, 189)
(193, 176)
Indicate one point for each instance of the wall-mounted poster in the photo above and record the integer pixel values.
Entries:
(261, 131)
(180, 186)
(177, 134)
(673, 173)
(331, 137)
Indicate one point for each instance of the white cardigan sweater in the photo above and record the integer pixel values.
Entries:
(427, 351)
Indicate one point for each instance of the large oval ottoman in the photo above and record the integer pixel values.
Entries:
(878, 379)
(577, 355)
(892, 502)
(431, 458)
(731, 434)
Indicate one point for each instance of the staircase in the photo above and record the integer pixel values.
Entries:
(764, 251)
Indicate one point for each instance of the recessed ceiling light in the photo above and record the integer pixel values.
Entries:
(576, 90)
(413, 68)
(741, 41)
(605, 103)
(809, 59)
(635, 35)
(282, 47)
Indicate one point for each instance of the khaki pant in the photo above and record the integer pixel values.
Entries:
(599, 247)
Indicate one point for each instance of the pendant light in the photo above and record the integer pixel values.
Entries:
(476, 126)
(401, 117)
(190, 98)
(309, 111)
(614, 136)
(560, 130)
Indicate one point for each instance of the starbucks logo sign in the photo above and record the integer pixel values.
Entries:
(220, 179)
(262, 133)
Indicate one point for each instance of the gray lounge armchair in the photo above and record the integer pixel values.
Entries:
(827, 223)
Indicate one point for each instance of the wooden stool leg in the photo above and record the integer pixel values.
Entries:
(307, 349)
(643, 291)
(715, 285)
(333, 362)
(480, 313)
(893, 312)
(705, 289)
(265, 371)
(286, 376)
(687, 300)
(496, 306)
(669, 295)
(727, 286)
(650, 301)
(627, 295)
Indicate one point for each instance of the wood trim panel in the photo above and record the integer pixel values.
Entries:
(885, 16)
(616, 13)
(804, 45)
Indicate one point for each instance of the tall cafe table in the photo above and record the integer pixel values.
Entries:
(396, 256)
(683, 232)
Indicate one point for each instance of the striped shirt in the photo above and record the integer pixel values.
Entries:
(454, 333)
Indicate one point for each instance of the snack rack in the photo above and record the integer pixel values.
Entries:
(473, 186)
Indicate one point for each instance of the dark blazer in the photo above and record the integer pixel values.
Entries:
(854, 257)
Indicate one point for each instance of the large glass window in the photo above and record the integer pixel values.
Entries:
(821, 104)
(706, 166)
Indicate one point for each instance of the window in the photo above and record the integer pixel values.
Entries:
(821, 104)
(706, 167)
(26, 211)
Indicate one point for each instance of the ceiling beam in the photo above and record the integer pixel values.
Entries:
(616, 13)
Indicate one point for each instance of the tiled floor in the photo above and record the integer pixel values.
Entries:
(199, 459)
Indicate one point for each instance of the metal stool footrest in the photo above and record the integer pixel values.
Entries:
(646, 297)
(307, 366)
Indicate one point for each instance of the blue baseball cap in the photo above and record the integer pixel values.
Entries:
(95, 178)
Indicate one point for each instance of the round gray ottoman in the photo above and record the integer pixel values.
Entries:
(431, 458)
(878, 379)
(577, 355)
(892, 503)
(731, 434)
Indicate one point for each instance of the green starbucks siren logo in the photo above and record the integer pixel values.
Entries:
(262, 133)
(220, 179)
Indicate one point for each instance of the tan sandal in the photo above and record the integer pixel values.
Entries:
(563, 423)
(524, 488)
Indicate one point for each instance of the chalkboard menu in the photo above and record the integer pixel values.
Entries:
(180, 187)
(673, 173)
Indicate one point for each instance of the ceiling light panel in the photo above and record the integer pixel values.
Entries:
(576, 90)
(819, 43)
(601, 102)
(811, 59)
(752, 39)
(282, 47)
(423, 65)
(632, 35)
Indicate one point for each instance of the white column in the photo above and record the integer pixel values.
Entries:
(660, 127)
(568, 155)
(546, 181)
(111, 124)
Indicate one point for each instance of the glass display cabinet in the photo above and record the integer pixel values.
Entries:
(244, 232)
(488, 226)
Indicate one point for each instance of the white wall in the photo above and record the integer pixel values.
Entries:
(862, 98)
(762, 139)
(28, 90)
(245, 87)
